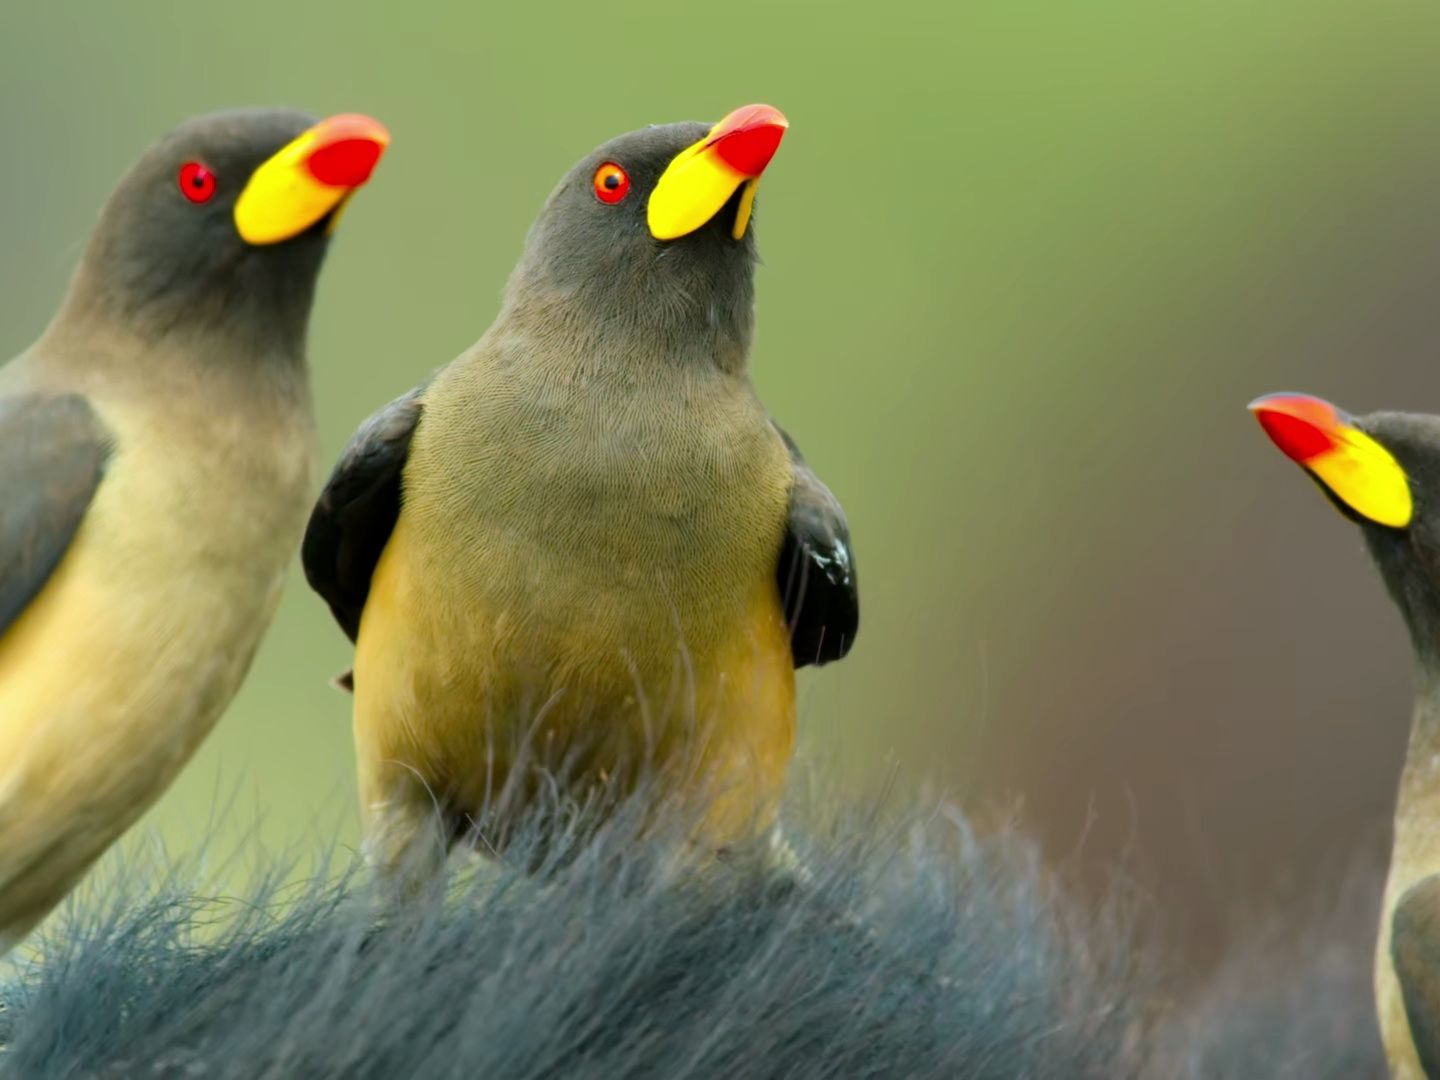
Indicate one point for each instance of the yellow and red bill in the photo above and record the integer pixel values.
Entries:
(308, 178)
(700, 180)
(1353, 467)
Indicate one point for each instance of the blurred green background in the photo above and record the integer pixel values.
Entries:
(1025, 263)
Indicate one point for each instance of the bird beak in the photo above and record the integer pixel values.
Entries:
(1355, 469)
(701, 178)
(308, 178)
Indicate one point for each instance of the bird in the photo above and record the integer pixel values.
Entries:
(582, 557)
(1382, 472)
(158, 459)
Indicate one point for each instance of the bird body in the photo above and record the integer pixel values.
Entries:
(610, 560)
(1382, 472)
(583, 556)
(157, 454)
(122, 663)
(1414, 865)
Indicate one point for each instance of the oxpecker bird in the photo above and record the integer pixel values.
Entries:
(157, 456)
(1382, 471)
(583, 553)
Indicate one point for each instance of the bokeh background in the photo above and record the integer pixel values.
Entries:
(1025, 264)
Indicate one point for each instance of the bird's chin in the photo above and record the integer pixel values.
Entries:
(321, 229)
(313, 235)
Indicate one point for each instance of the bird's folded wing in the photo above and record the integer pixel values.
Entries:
(816, 573)
(1415, 948)
(357, 510)
(53, 452)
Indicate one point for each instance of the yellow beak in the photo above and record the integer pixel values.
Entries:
(310, 177)
(701, 178)
(1352, 466)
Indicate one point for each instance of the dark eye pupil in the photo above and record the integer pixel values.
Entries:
(612, 181)
(197, 181)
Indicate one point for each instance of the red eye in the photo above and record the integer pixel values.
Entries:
(197, 183)
(612, 183)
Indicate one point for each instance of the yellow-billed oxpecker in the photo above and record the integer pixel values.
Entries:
(1382, 471)
(583, 549)
(157, 457)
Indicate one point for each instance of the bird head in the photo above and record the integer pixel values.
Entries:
(1382, 472)
(226, 220)
(654, 230)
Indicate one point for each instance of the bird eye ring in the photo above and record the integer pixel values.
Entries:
(612, 183)
(197, 183)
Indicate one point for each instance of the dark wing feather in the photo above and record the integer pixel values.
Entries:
(1415, 949)
(357, 510)
(53, 450)
(816, 573)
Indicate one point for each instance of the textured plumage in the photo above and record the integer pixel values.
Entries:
(157, 453)
(1415, 951)
(583, 548)
(816, 571)
(357, 510)
(56, 449)
(1389, 463)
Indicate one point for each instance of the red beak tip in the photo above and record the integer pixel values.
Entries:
(756, 116)
(346, 163)
(1299, 438)
(348, 146)
(747, 139)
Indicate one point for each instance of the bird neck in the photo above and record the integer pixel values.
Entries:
(1413, 592)
(592, 320)
(1424, 743)
(1416, 851)
(249, 305)
(195, 359)
(210, 326)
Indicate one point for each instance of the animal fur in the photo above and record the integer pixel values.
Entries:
(920, 950)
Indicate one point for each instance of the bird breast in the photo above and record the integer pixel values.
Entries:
(638, 507)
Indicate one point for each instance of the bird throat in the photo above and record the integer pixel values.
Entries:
(676, 309)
